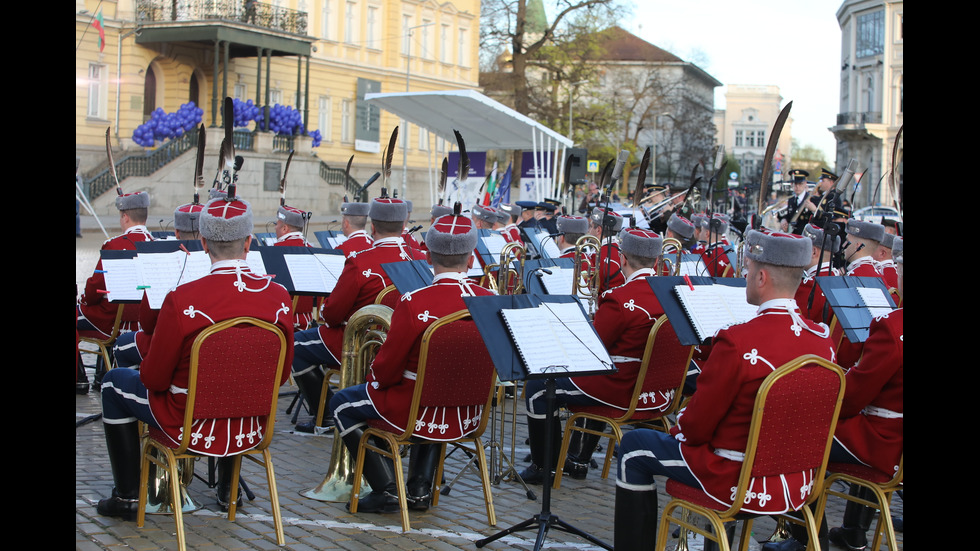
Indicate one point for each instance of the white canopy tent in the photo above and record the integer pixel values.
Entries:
(484, 124)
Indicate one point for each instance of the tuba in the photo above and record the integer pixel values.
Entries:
(585, 279)
(365, 332)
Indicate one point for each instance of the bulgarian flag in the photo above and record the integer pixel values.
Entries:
(99, 25)
(491, 185)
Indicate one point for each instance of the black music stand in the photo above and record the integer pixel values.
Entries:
(852, 314)
(486, 314)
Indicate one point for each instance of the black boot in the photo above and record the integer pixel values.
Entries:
(710, 545)
(798, 537)
(577, 465)
(380, 474)
(537, 431)
(122, 443)
(635, 525)
(310, 385)
(100, 370)
(857, 519)
(225, 467)
(422, 465)
(81, 379)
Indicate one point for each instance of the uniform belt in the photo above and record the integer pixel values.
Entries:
(624, 359)
(177, 390)
(409, 374)
(731, 455)
(881, 412)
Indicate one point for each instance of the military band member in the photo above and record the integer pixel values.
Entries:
(870, 426)
(705, 448)
(290, 222)
(406, 234)
(715, 255)
(796, 202)
(606, 227)
(623, 320)
(528, 214)
(884, 261)
(94, 313)
(129, 348)
(826, 200)
(484, 217)
(387, 395)
(823, 249)
(353, 224)
(863, 239)
(681, 229)
(570, 230)
(359, 284)
(156, 393)
(510, 230)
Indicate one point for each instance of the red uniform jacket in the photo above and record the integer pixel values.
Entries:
(815, 312)
(356, 242)
(512, 234)
(623, 321)
(714, 427)
(715, 259)
(229, 291)
(358, 286)
(391, 380)
(608, 263)
(871, 425)
(93, 304)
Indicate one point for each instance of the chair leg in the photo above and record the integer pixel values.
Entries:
(274, 497)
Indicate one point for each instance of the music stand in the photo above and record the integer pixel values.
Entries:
(663, 288)
(486, 313)
(853, 315)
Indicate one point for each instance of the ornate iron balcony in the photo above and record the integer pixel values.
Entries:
(258, 14)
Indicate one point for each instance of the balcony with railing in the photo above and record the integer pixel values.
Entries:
(857, 118)
(248, 12)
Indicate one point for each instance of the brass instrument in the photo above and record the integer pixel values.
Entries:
(770, 216)
(158, 491)
(694, 197)
(673, 267)
(585, 281)
(512, 252)
(365, 332)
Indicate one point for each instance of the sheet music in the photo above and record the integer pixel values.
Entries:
(549, 244)
(314, 273)
(122, 279)
(162, 272)
(495, 243)
(714, 307)
(255, 262)
(336, 240)
(556, 338)
(692, 267)
(876, 301)
(559, 282)
(477, 270)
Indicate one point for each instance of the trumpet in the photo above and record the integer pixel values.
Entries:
(365, 333)
(585, 279)
(694, 197)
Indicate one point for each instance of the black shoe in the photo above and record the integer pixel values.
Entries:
(419, 495)
(576, 470)
(533, 474)
(81, 387)
(377, 502)
(116, 506)
(898, 523)
(852, 539)
(309, 427)
(788, 544)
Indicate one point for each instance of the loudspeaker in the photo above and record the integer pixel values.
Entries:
(575, 164)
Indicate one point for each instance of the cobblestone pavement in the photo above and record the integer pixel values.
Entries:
(301, 461)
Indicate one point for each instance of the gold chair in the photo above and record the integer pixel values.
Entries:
(803, 398)
(104, 343)
(469, 383)
(880, 484)
(388, 296)
(667, 377)
(235, 372)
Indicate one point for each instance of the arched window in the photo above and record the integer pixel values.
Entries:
(149, 93)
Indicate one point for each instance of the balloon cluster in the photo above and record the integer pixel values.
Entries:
(317, 138)
(283, 120)
(165, 126)
(246, 112)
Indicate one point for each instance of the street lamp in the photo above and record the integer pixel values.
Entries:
(408, 78)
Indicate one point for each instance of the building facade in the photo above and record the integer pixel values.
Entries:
(871, 95)
(317, 56)
(743, 129)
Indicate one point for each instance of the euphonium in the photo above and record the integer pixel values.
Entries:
(512, 252)
(585, 278)
(674, 268)
(365, 332)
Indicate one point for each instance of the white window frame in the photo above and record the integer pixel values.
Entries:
(346, 121)
(325, 117)
(98, 90)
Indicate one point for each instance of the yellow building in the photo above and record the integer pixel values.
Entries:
(313, 55)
